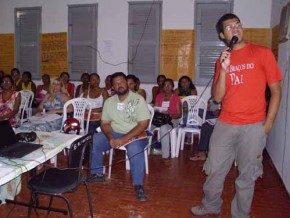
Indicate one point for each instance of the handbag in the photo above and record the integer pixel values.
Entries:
(160, 119)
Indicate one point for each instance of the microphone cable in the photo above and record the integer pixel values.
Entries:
(137, 46)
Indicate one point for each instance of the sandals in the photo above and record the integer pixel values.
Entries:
(197, 157)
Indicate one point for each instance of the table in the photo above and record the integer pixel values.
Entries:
(53, 143)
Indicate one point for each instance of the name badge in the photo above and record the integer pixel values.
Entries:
(120, 106)
(44, 92)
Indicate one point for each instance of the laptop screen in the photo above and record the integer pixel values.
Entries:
(7, 134)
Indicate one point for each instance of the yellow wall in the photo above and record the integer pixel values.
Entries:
(176, 50)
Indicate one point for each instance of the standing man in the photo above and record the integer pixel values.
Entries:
(241, 131)
(125, 115)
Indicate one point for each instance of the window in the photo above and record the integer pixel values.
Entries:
(207, 44)
(27, 34)
(82, 39)
(144, 40)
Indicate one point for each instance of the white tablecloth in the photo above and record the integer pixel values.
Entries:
(53, 143)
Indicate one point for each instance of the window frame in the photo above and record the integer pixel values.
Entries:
(35, 61)
(146, 75)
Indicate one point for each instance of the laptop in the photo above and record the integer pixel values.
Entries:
(9, 145)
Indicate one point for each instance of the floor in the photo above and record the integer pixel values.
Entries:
(173, 187)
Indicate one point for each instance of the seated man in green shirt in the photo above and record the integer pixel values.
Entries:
(125, 115)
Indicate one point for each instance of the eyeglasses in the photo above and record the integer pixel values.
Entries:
(234, 26)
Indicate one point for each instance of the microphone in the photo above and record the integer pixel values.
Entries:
(233, 41)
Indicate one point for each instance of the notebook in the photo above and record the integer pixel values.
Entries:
(9, 145)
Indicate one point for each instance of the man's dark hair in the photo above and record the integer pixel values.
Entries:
(219, 25)
(117, 74)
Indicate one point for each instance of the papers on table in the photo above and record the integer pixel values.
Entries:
(43, 118)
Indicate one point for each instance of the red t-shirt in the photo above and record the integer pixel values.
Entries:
(251, 69)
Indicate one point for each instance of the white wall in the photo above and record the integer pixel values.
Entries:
(113, 28)
(278, 143)
(254, 13)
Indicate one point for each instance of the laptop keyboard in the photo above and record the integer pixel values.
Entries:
(19, 150)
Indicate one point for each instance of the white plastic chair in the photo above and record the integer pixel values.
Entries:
(146, 149)
(80, 105)
(25, 108)
(196, 107)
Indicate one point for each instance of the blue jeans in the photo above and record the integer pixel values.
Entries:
(205, 134)
(135, 151)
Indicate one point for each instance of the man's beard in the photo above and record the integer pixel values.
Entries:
(122, 91)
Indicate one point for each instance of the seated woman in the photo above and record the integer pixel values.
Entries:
(157, 89)
(9, 101)
(69, 87)
(26, 83)
(108, 86)
(85, 78)
(132, 82)
(139, 90)
(43, 89)
(172, 105)
(52, 103)
(97, 96)
(185, 87)
(9, 106)
(15, 73)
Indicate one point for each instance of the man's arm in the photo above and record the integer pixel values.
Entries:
(107, 129)
(219, 88)
(137, 130)
(275, 99)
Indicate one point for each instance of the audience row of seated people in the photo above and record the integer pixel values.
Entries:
(51, 98)
(52, 95)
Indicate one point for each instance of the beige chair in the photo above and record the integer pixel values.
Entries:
(146, 149)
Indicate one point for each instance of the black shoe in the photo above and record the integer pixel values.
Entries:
(140, 194)
(96, 178)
